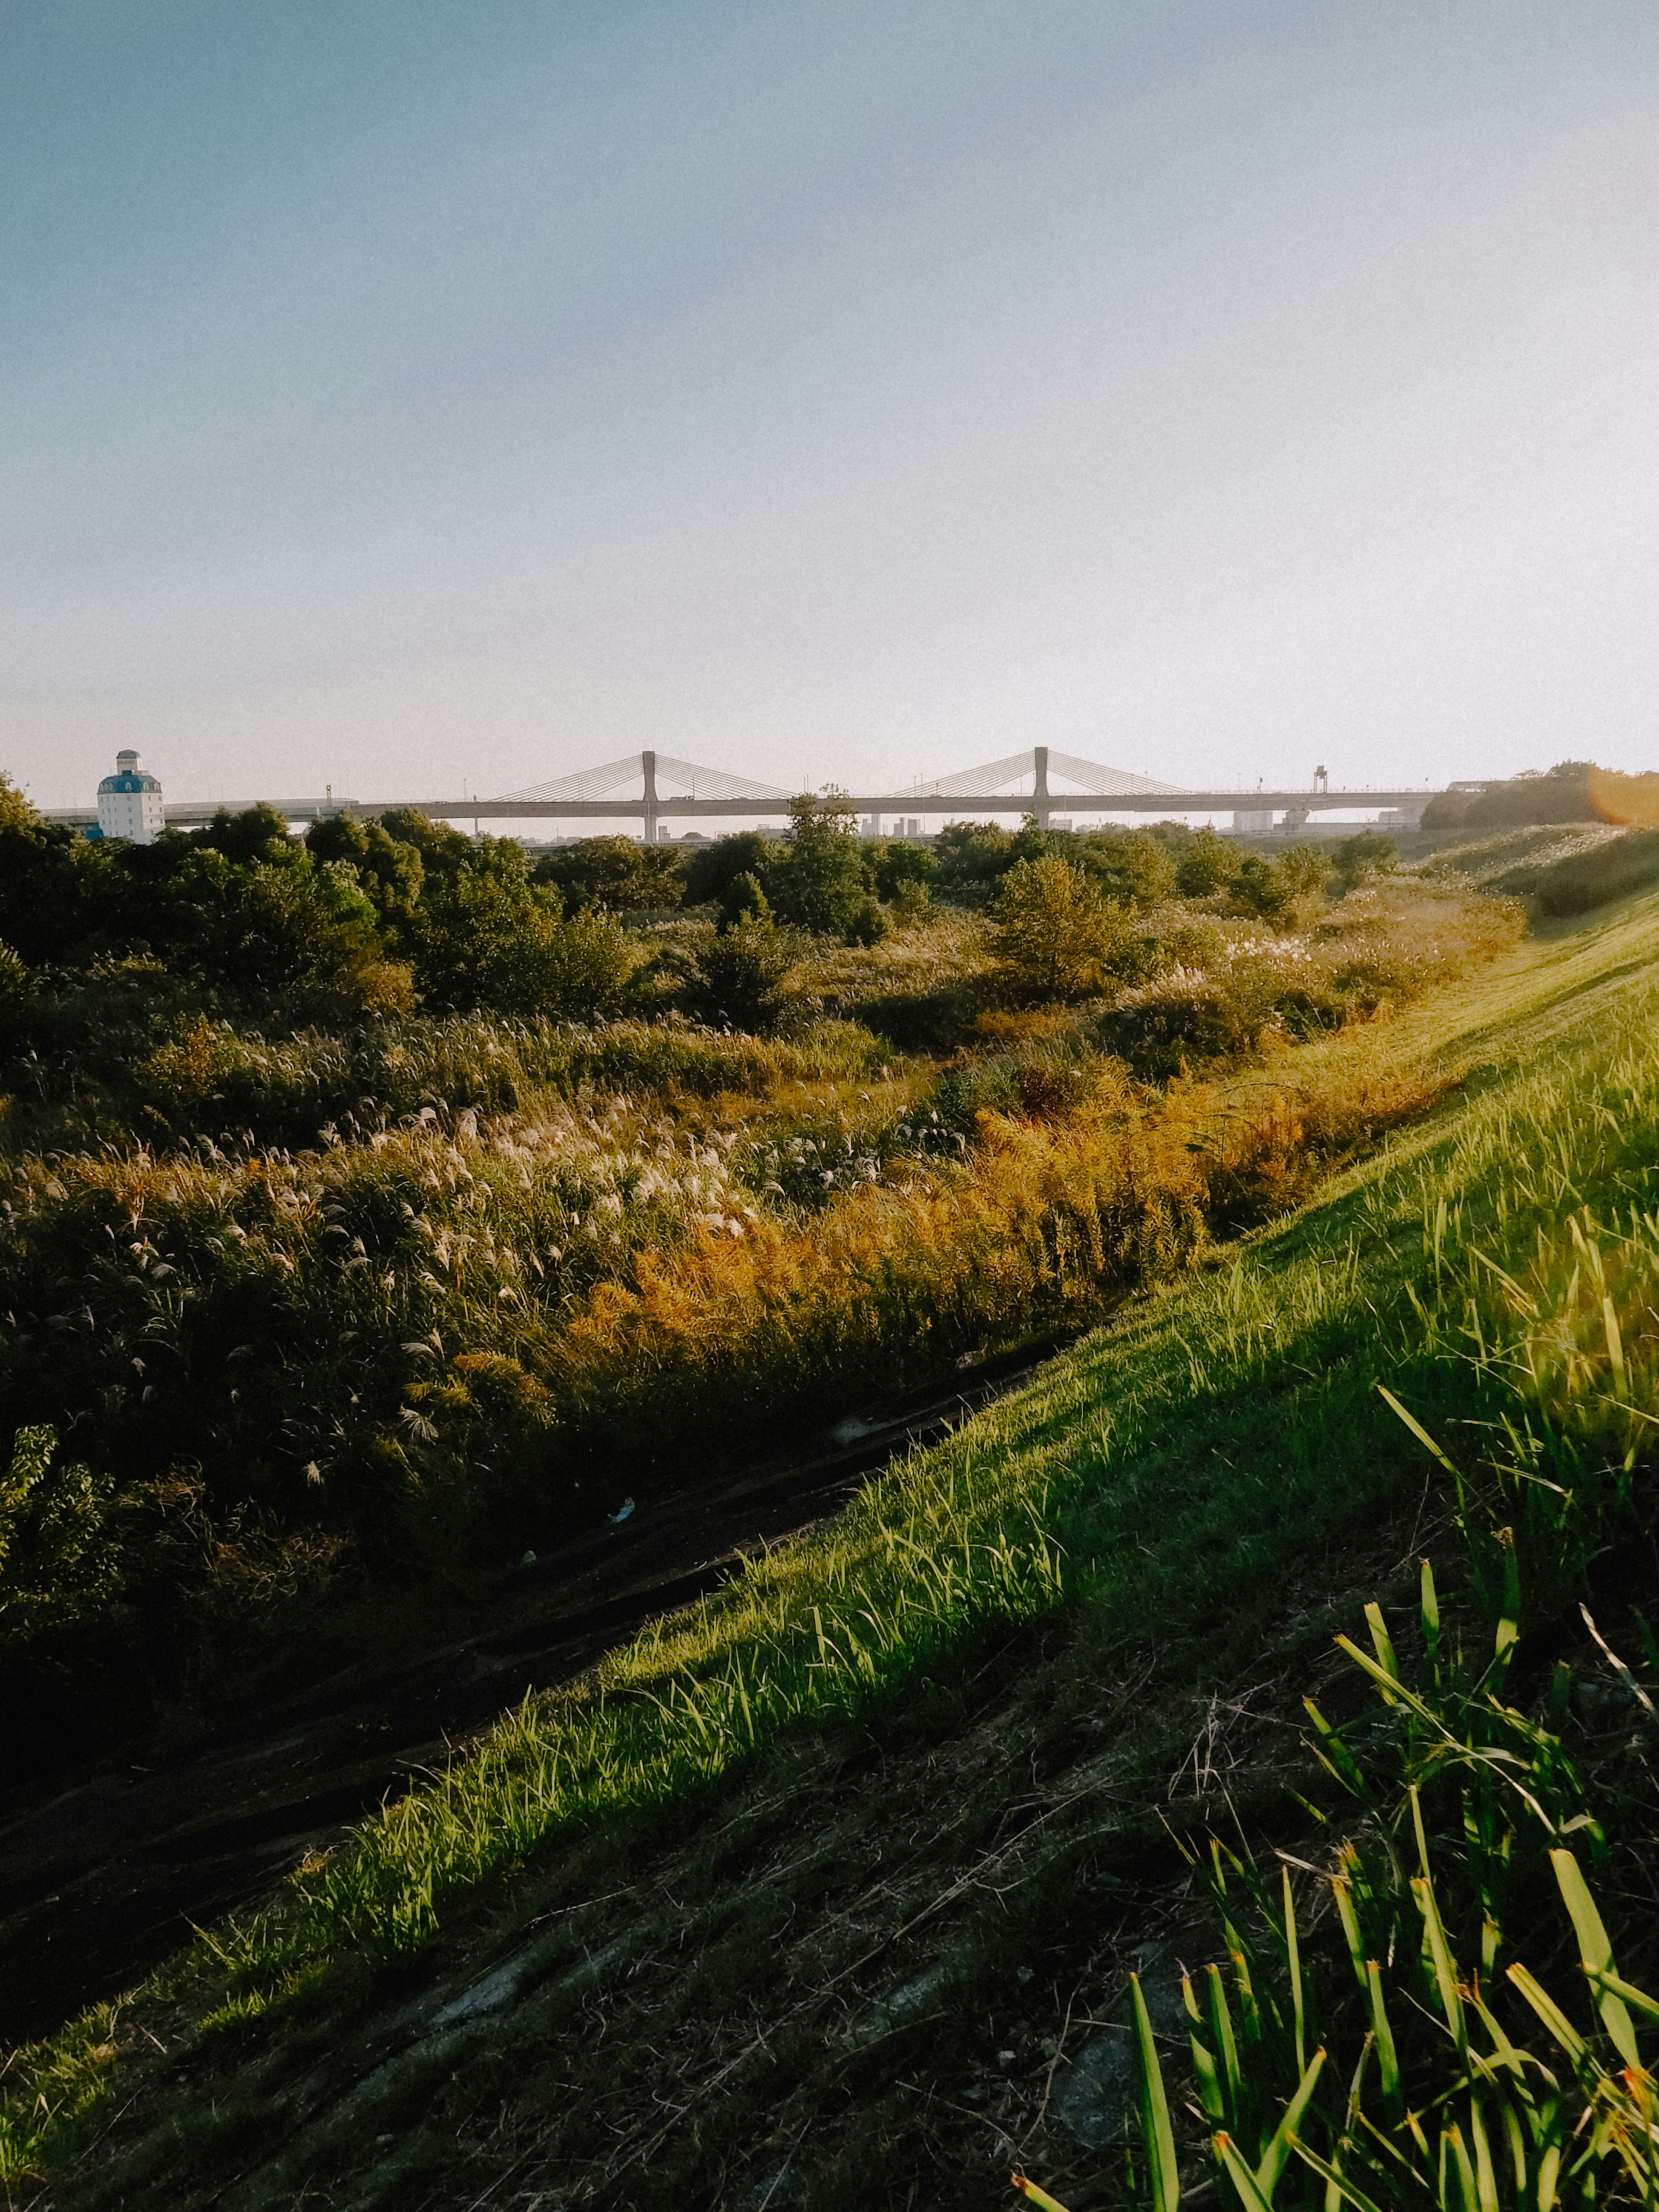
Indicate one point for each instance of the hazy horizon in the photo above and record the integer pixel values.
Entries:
(426, 394)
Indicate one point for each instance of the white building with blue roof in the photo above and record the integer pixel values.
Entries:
(129, 803)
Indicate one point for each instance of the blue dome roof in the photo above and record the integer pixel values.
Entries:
(139, 782)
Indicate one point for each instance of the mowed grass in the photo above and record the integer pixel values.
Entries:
(1176, 1461)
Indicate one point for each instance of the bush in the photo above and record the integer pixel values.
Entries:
(1357, 859)
(1206, 865)
(711, 870)
(743, 896)
(898, 863)
(1052, 929)
(1259, 888)
(1181, 1020)
(493, 938)
(618, 872)
(869, 925)
(1561, 793)
(55, 1564)
(1130, 866)
(741, 973)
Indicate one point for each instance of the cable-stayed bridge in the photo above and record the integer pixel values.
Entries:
(652, 788)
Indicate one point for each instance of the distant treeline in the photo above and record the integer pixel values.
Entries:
(375, 918)
(1571, 790)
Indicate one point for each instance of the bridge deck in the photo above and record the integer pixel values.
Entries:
(183, 814)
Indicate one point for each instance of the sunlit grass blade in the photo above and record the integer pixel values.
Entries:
(1157, 2132)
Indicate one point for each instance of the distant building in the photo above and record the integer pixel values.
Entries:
(129, 803)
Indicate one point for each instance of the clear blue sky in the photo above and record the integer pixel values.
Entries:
(398, 392)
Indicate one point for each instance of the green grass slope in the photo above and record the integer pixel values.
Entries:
(803, 1873)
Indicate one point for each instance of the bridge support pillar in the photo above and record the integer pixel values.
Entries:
(648, 763)
(1040, 794)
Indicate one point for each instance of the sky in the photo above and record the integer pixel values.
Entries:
(407, 396)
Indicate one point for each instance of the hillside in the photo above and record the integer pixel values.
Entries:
(825, 1892)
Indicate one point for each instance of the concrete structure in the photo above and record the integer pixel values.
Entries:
(129, 803)
(652, 787)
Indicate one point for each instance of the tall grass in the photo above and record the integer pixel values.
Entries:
(1421, 2059)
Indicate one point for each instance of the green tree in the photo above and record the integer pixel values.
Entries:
(444, 852)
(618, 872)
(711, 870)
(1207, 865)
(491, 939)
(819, 881)
(1260, 889)
(1052, 929)
(1305, 868)
(969, 853)
(1357, 859)
(55, 1564)
(391, 871)
(56, 889)
(897, 862)
(247, 836)
(1131, 867)
(744, 895)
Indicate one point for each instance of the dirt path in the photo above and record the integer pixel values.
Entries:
(102, 1871)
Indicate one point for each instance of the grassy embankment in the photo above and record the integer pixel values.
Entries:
(1178, 1469)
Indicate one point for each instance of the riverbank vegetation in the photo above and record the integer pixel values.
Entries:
(370, 1215)
(1099, 1597)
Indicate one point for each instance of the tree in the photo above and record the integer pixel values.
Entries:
(1358, 858)
(973, 855)
(819, 880)
(1053, 927)
(390, 869)
(489, 937)
(711, 870)
(1305, 869)
(614, 872)
(1130, 866)
(745, 895)
(898, 862)
(246, 836)
(1206, 865)
(443, 851)
(1260, 889)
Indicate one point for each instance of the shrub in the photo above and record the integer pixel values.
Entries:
(1561, 793)
(54, 1563)
(1052, 929)
(711, 869)
(743, 896)
(1207, 865)
(1357, 859)
(1180, 1020)
(741, 974)
(493, 938)
(618, 872)
(899, 864)
(1130, 866)
(869, 925)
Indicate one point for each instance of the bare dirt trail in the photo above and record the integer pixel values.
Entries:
(103, 1871)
